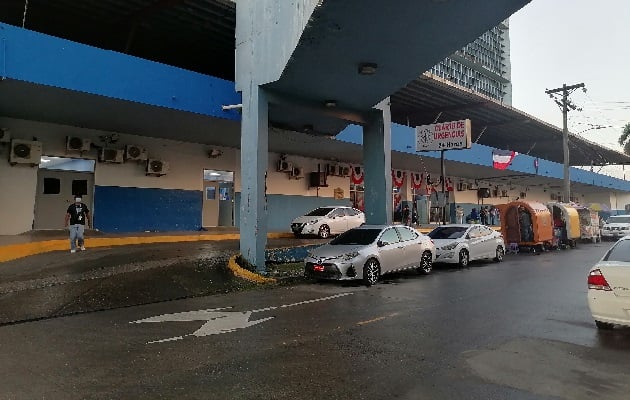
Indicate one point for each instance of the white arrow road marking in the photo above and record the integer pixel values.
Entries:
(218, 321)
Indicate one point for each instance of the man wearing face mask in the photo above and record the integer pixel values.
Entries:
(77, 216)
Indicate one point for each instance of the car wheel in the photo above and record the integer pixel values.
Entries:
(371, 272)
(464, 258)
(499, 254)
(426, 263)
(603, 325)
(324, 231)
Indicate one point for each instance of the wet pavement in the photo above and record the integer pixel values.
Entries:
(520, 329)
(60, 283)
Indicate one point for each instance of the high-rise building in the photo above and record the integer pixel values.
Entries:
(482, 66)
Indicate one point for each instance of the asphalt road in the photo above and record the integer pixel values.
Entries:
(520, 329)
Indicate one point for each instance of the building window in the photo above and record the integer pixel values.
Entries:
(52, 186)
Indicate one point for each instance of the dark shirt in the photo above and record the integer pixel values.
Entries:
(78, 213)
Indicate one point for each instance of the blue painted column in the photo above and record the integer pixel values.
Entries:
(254, 157)
(377, 161)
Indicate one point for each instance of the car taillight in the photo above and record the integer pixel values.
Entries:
(597, 281)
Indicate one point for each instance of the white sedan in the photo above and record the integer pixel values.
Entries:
(462, 243)
(609, 287)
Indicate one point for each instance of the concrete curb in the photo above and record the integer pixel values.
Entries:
(15, 251)
(240, 272)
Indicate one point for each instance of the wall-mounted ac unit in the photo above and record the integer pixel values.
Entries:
(74, 143)
(284, 166)
(5, 136)
(157, 167)
(317, 179)
(344, 170)
(331, 169)
(297, 173)
(25, 152)
(111, 155)
(483, 193)
(135, 153)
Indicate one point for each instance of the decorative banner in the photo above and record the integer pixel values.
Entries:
(443, 136)
(417, 180)
(398, 178)
(449, 185)
(501, 159)
(356, 177)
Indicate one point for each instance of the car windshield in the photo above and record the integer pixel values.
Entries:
(357, 236)
(448, 232)
(619, 252)
(319, 212)
(622, 219)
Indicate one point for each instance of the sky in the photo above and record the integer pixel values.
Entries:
(556, 42)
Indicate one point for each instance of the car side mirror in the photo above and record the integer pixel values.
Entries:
(468, 236)
(380, 243)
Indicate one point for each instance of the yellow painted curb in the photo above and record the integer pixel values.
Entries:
(240, 272)
(15, 251)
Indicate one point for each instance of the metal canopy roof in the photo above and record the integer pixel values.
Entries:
(430, 98)
(199, 35)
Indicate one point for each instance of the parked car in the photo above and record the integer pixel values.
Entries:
(616, 226)
(368, 251)
(609, 287)
(326, 221)
(462, 243)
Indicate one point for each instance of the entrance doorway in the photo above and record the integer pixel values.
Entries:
(218, 198)
(58, 181)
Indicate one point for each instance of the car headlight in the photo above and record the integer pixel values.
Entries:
(314, 221)
(349, 256)
(450, 246)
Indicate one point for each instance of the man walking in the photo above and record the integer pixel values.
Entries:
(77, 216)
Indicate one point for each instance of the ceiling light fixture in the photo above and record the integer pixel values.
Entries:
(367, 68)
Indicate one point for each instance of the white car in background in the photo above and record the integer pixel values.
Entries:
(616, 226)
(609, 287)
(369, 251)
(326, 221)
(462, 243)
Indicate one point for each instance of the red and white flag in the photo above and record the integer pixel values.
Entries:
(501, 159)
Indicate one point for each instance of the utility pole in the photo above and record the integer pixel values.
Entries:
(565, 104)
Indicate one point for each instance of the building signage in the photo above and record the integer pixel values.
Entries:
(443, 136)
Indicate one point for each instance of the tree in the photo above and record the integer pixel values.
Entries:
(624, 139)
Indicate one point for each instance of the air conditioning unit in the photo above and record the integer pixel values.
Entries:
(297, 173)
(25, 152)
(135, 153)
(331, 169)
(461, 186)
(284, 166)
(5, 136)
(74, 143)
(157, 167)
(317, 179)
(483, 193)
(344, 170)
(111, 155)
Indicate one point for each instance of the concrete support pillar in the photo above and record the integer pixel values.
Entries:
(377, 151)
(254, 159)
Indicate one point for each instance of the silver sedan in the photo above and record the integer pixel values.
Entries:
(368, 251)
(462, 243)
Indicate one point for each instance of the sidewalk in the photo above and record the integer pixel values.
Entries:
(37, 242)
